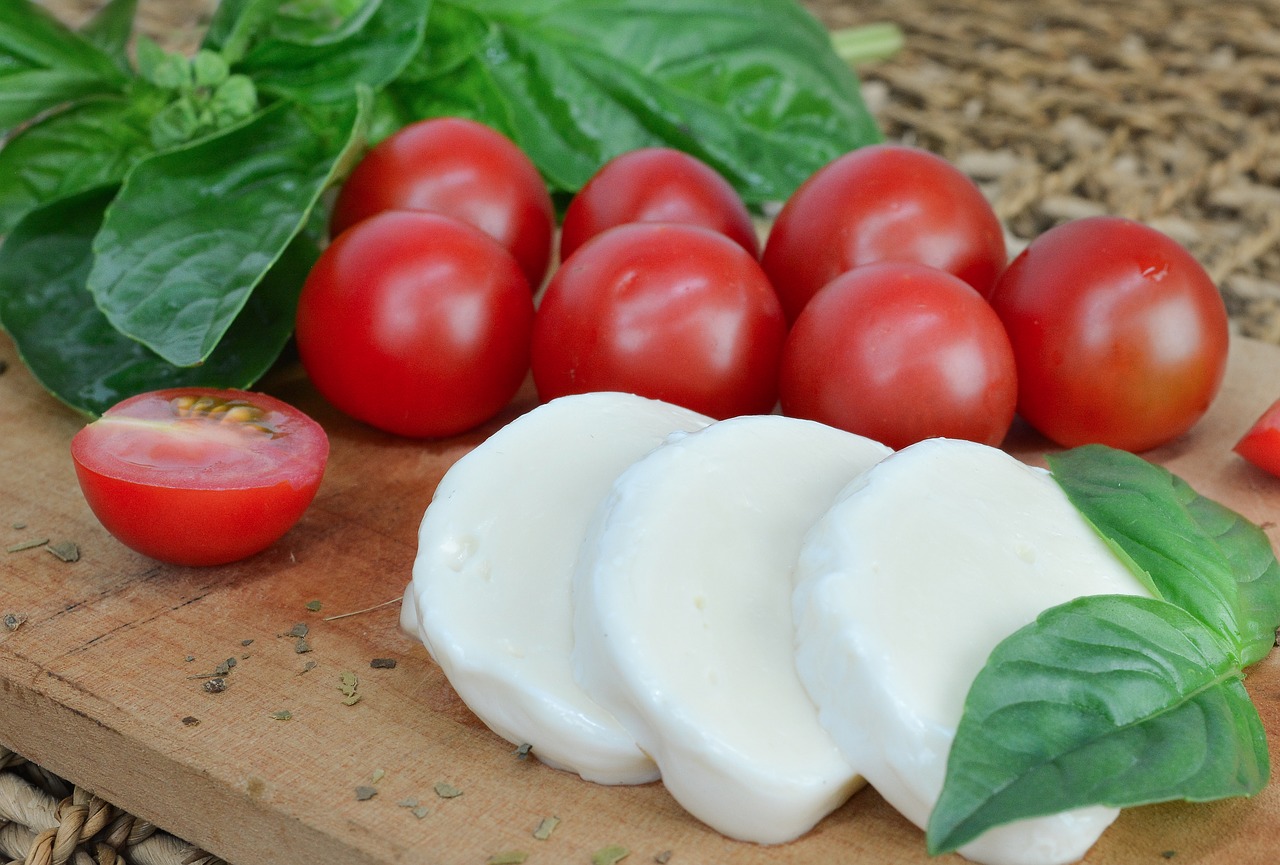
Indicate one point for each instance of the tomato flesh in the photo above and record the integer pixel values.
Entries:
(1261, 444)
(200, 476)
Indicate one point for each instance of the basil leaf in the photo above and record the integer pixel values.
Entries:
(193, 229)
(90, 144)
(1196, 553)
(110, 30)
(1105, 700)
(236, 25)
(43, 64)
(751, 87)
(328, 69)
(73, 350)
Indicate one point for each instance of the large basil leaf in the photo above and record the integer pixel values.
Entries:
(329, 67)
(752, 87)
(110, 31)
(1196, 553)
(193, 229)
(74, 351)
(43, 64)
(90, 144)
(1105, 700)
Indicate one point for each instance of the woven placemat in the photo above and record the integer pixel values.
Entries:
(46, 821)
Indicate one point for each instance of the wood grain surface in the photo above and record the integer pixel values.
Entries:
(99, 684)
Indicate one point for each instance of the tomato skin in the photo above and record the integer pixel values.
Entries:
(1261, 444)
(462, 169)
(657, 184)
(900, 352)
(185, 489)
(416, 324)
(882, 203)
(1120, 336)
(672, 312)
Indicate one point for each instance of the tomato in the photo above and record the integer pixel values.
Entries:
(900, 352)
(1261, 444)
(882, 203)
(459, 168)
(656, 184)
(672, 312)
(1119, 334)
(198, 476)
(416, 323)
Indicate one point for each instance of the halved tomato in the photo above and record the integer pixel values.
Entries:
(200, 476)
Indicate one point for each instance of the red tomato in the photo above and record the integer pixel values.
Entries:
(198, 476)
(882, 203)
(416, 323)
(900, 352)
(656, 184)
(462, 169)
(1261, 444)
(672, 312)
(1119, 334)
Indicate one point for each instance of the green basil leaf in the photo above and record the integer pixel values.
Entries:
(90, 144)
(194, 228)
(327, 70)
(751, 87)
(74, 351)
(1106, 700)
(236, 25)
(110, 29)
(44, 64)
(1196, 553)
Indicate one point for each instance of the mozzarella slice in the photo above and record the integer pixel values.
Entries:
(490, 595)
(905, 586)
(682, 619)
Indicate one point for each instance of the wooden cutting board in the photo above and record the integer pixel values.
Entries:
(99, 684)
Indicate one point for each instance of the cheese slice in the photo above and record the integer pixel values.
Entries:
(904, 587)
(682, 619)
(490, 594)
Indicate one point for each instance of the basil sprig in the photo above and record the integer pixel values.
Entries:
(1120, 700)
(202, 177)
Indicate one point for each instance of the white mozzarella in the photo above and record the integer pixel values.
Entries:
(682, 619)
(490, 594)
(904, 587)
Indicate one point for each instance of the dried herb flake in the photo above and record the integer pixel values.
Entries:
(364, 793)
(663, 858)
(378, 775)
(301, 647)
(314, 606)
(508, 857)
(523, 752)
(190, 721)
(419, 812)
(215, 685)
(67, 551)
(545, 827)
(611, 855)
(299, 630)
(26, 545)
(248, 642)
(281, 715)
(383, 663)
(445, 790)
(13, 621)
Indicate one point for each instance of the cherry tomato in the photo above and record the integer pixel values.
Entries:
(1261, 444)
(1119, 334)
(416, 323)
(882, 203)
(656, 184)
(459, 168)
(900, 352)
(672, 312)
(198, 476)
